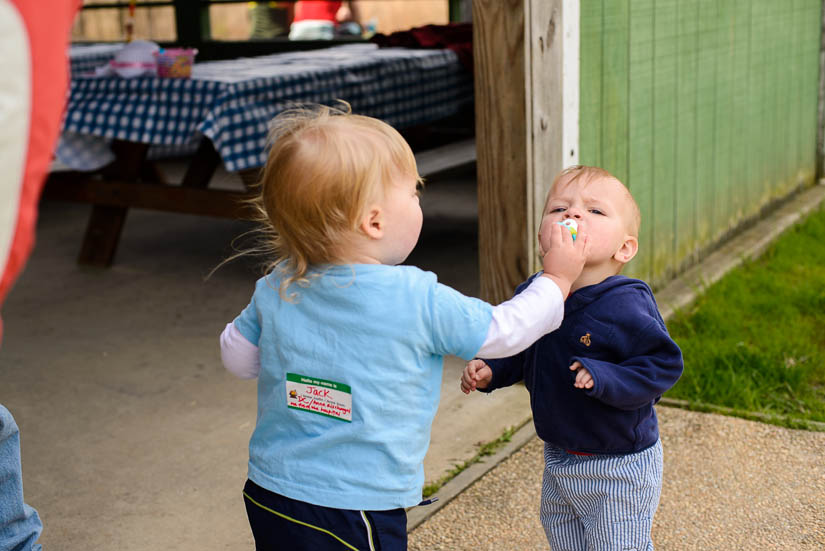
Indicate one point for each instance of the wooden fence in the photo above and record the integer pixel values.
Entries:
(706, 109)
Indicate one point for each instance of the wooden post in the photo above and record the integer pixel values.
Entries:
(552, 99)
(501, 142)
(526, 98)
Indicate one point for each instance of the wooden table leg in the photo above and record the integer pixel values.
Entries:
(202, 166)
(102, 235)
(106, 222)
(131, 181)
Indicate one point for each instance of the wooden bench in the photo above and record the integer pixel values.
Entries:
(132, 181)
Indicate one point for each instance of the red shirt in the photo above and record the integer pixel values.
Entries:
(323, 10)
(39, 88)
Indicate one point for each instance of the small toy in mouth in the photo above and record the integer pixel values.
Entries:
(571, 225)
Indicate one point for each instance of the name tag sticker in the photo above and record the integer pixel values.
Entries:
(319, 396)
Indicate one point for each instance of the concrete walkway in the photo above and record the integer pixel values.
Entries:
(729, 484)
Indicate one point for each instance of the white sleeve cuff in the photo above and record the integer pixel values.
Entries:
(524, 319)
(240, 357)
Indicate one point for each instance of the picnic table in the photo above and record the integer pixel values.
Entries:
(115, 127)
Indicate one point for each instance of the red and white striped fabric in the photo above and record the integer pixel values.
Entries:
(34, 38)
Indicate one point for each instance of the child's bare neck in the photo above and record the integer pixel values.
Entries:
(356, 251)
(593, 275)
(356, 259)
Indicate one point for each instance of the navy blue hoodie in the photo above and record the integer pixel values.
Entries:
(615, 330)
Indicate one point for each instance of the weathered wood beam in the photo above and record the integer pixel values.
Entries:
(526, 93)
(76, 187)
(501, 142)
(552, 102)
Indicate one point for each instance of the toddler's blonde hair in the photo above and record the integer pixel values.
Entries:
(324, 165)
(590, 173)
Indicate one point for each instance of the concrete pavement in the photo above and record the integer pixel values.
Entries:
(729, 484)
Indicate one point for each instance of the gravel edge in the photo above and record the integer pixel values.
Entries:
(467, 477)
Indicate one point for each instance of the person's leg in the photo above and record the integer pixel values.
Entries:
(616, 497)
(389, 529)
(562, 526)
(19, 524)
(267, 21)
(279, 522)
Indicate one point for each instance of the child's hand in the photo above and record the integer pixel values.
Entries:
(564, 260)
(477, 374)
(583, 377)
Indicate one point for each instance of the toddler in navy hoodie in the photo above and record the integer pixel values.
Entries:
(594, 381)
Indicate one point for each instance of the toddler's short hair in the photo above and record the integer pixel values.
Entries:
(590, 173)
(324, 165)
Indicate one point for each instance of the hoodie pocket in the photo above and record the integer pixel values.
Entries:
(591, 339)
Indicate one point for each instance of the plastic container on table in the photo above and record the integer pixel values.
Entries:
(175, 62)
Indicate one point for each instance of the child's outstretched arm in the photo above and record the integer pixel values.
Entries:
(538, 307)
(477, 374)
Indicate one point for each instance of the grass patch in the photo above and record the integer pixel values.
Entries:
(755, 340)
(484, 450)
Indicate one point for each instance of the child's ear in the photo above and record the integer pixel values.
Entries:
(372, 224)
(628, 249)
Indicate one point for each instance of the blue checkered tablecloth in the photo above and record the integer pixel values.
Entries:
(231, 102)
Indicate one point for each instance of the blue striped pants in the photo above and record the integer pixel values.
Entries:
(600, 502)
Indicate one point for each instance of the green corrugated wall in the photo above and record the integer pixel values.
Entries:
(706, 109)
